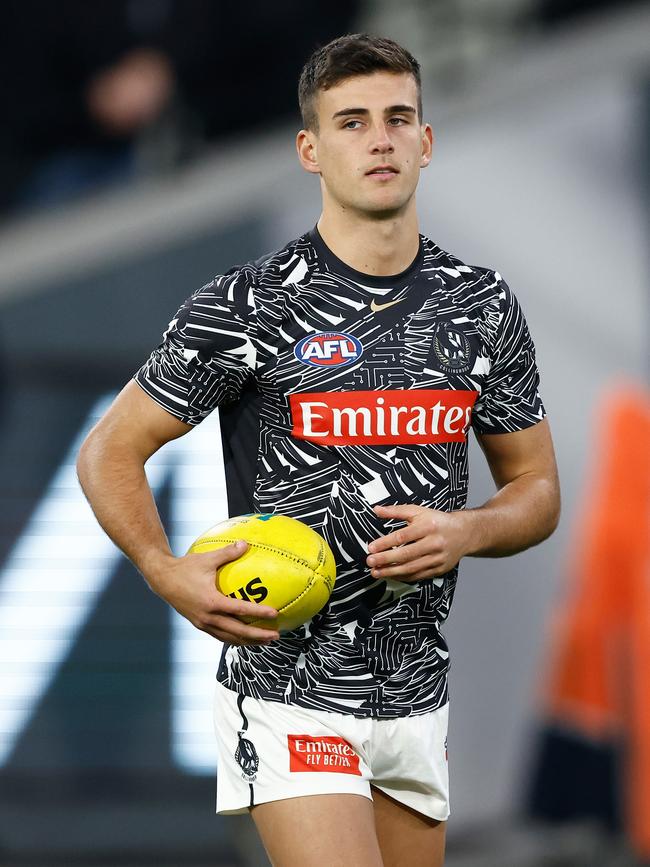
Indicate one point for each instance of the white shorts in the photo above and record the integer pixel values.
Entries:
(268, 751)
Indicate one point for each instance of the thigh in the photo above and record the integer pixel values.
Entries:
(405, 836)
(319, 831)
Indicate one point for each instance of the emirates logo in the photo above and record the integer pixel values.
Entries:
(329, 754)
(396, 417)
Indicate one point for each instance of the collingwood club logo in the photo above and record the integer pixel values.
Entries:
(247, 758)
(452, 348)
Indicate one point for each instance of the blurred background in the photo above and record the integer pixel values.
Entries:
(147, 145)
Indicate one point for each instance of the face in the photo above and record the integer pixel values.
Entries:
(370, 144)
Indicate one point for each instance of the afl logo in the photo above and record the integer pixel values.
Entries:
(452, 348)
(328, 349)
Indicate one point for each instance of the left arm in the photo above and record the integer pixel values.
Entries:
(523, 512)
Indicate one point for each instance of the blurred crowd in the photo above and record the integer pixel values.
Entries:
(85, 86)
(559, 10)
(98, 93)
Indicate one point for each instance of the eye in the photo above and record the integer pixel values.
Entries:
(397, 121)
(352, 124)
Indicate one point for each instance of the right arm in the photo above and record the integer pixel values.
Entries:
(111, 472)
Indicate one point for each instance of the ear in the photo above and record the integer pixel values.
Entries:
(306, 143)
(427, 145)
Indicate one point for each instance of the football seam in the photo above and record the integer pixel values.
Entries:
(305, 590)
(262, 545)
(312, 580)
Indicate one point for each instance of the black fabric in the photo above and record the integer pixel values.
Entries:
(240, 426)
(574, 778)
(444, 345)
(337, 266)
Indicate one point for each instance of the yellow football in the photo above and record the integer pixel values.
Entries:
(287, 566)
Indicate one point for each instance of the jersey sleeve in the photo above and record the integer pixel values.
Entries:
(510, 399)
(208, 351)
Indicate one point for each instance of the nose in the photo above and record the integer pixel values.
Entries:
(381, 141)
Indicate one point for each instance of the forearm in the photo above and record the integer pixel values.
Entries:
(113, 479)
(111, 471)
(522, 513)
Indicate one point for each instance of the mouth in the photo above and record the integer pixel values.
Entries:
(385, 170)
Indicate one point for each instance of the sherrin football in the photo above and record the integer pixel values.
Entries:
(287, 566)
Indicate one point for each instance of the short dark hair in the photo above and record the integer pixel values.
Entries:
(346, 57)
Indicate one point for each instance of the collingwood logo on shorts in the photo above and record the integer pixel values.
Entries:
(247, 758)
(452, 348)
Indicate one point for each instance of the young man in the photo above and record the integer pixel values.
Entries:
(373, 352)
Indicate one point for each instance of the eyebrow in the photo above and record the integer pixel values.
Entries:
(392, 109)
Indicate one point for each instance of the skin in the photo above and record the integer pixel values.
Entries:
(367, 833)
(524, 511)
(111, 472)
(370, 222)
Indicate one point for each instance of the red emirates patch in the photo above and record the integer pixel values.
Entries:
(332, 755)
(373, 418)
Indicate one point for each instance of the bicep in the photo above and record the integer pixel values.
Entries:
(135, 421)
(511, 455)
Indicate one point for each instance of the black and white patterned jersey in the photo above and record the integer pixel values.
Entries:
(367, 389)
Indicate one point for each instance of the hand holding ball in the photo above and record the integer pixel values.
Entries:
(287, 565)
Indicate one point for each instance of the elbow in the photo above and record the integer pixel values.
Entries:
(553, 522)
(553, 508)
(85, 460)
(93, 453)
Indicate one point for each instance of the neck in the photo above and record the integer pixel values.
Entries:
(380, 247)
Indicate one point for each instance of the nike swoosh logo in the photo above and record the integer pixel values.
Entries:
(377, 307)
